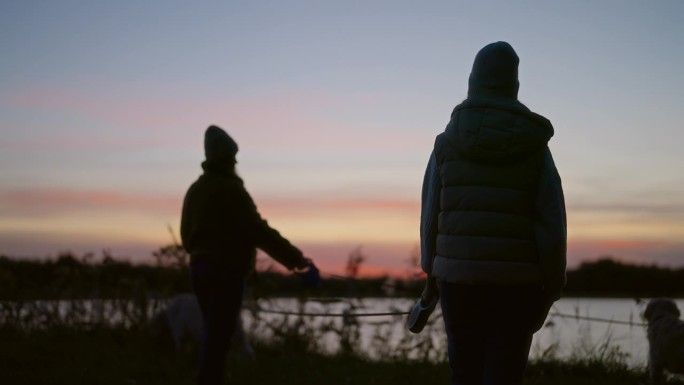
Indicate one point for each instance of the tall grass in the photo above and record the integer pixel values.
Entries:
(102, 340)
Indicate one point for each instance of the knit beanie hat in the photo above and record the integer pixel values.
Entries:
(495, 72)
(218, 145)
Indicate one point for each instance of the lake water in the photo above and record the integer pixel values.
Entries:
(566, 333)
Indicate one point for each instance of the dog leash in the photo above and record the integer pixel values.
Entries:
(423, 308)
(596, 319)
(398, 313)
(343, 314)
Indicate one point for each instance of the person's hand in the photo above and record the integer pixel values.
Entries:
(430, 291)
(543, 312)
(311, 276)
(303, 265)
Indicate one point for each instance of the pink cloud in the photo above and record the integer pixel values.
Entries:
(292, 120)
(661, 206)
(303, 205)
(382, 258)
(73, 141)
(39, 245)
(34, 201)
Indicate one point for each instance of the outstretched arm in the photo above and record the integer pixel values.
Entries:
(267, 238)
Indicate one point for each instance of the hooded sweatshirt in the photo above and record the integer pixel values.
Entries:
(493, 208)
(220, 222)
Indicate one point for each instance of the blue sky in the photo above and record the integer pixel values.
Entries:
(335, 106)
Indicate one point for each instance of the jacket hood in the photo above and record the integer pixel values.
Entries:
(495, 72)
(218, 145)
(495, 130)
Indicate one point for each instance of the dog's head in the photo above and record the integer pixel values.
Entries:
(660, 306)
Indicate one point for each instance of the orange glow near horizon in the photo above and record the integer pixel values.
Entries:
(43, 222)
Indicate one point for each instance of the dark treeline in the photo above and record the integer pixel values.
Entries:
(609, 278)
(70, 276)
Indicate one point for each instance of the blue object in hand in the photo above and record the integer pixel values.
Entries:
(419, 314)
(311, 277)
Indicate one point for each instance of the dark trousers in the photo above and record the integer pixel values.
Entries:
(219, 294)
(489, 331)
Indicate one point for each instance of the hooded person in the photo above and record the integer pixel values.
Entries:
(221, 230)
(493, 227)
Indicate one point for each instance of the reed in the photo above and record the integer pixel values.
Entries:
(107, 341)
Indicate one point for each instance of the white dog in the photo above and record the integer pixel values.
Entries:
(665, 339)
(181, 321)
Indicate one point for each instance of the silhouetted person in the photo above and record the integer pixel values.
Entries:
(221, 229)
(493, 228)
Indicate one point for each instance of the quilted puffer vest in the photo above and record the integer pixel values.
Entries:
(486, 209)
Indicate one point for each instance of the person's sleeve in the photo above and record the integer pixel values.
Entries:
(266, 238)
(551, 228)
(429, 214)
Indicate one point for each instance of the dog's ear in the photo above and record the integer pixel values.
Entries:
(648, 313)
(661, 305)
(672, 307)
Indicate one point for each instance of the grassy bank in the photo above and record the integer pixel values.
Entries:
(117, 356)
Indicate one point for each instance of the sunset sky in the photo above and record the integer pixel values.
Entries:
(335, 106)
